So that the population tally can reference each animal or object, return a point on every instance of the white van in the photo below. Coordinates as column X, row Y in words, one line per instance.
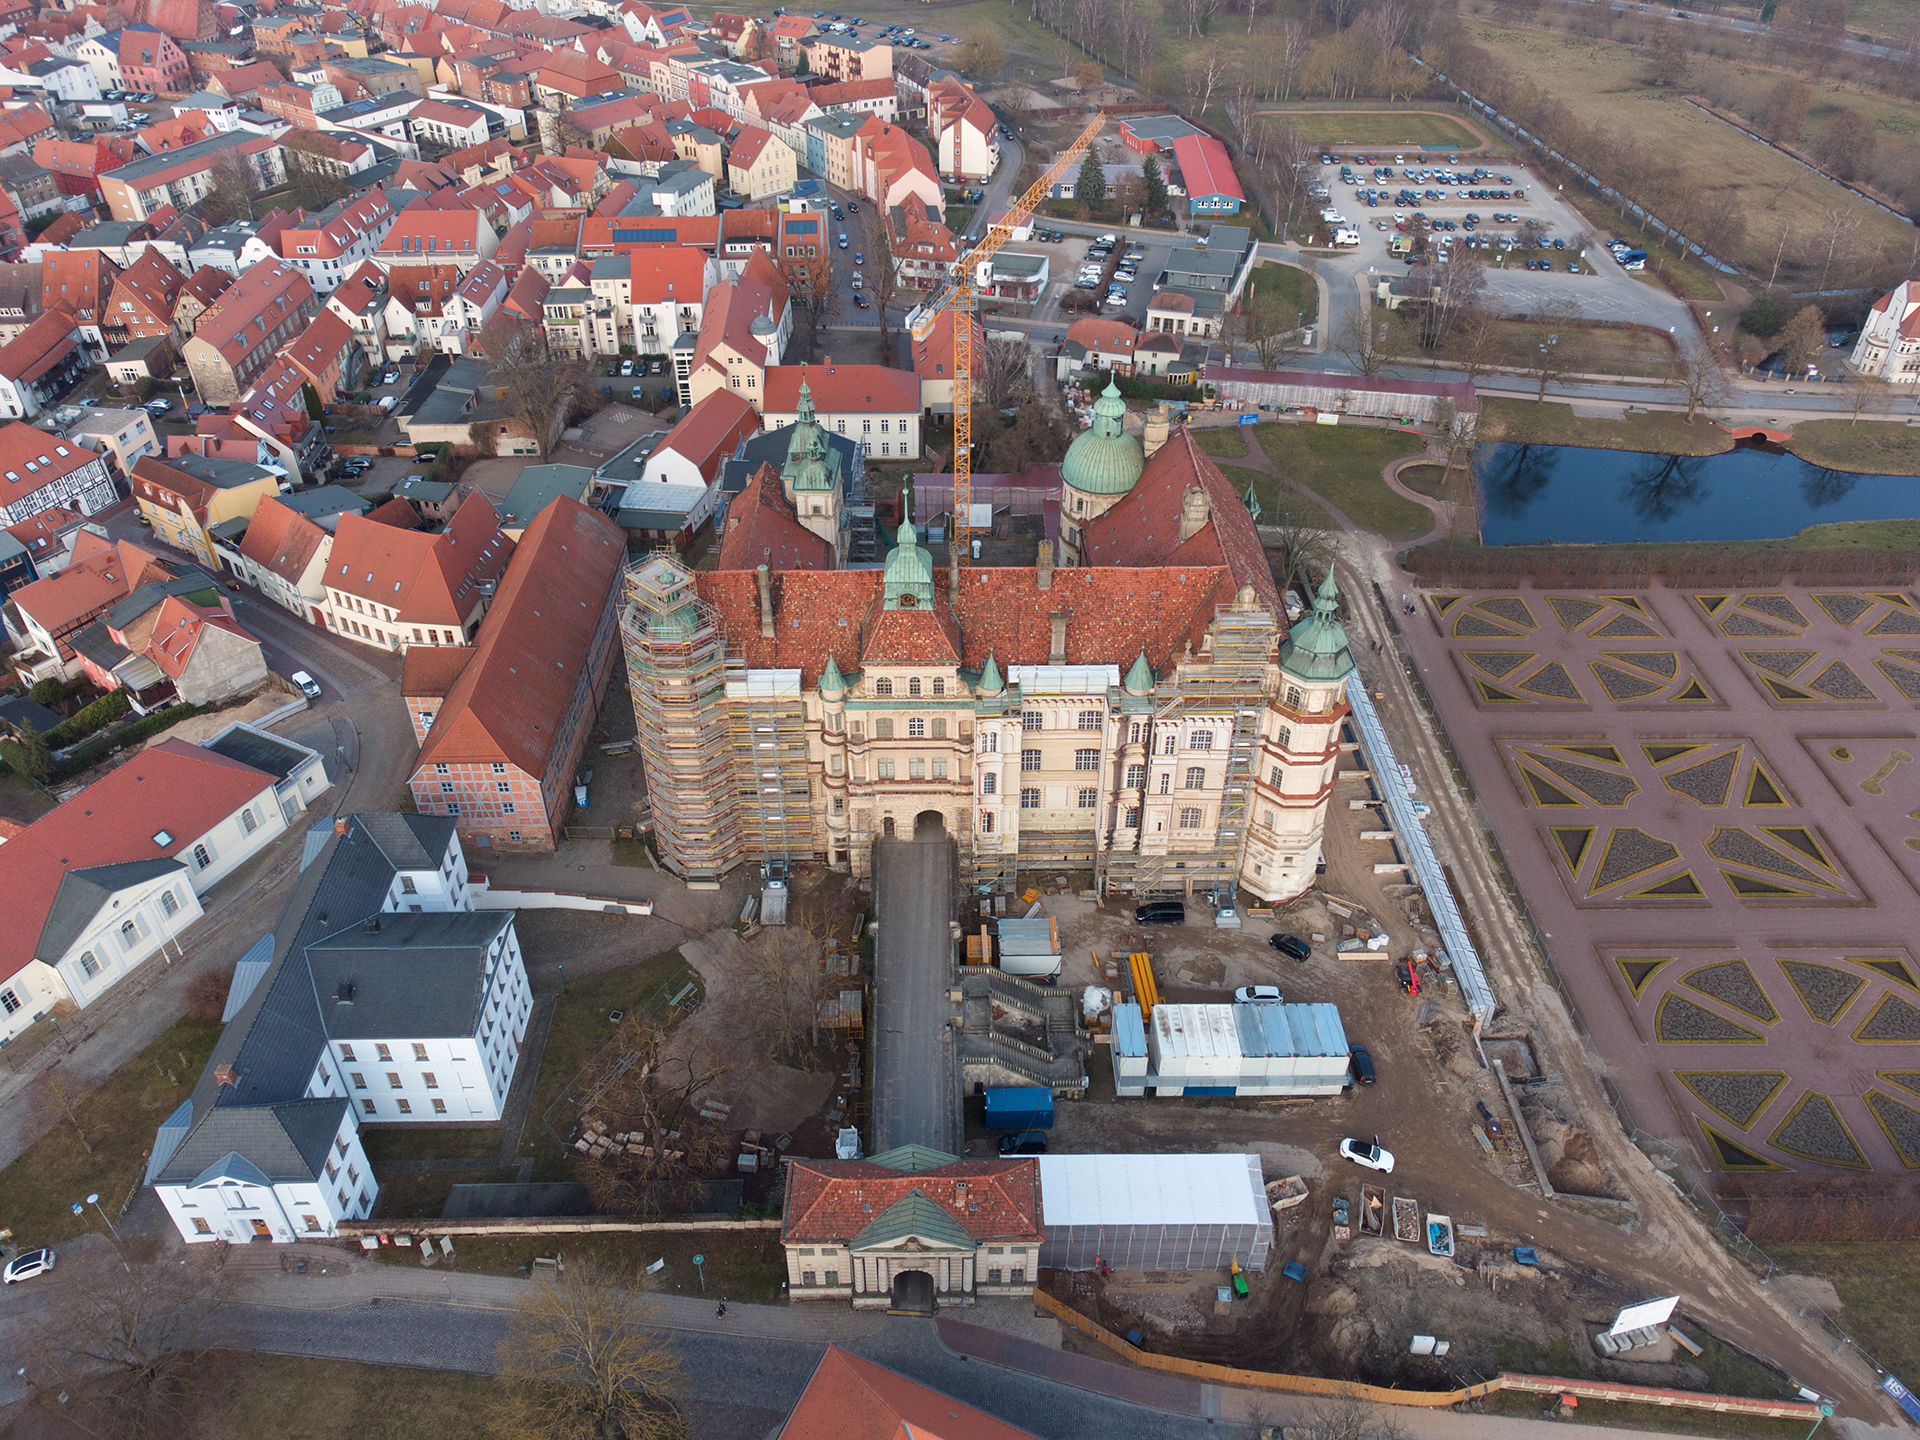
column 389, row 402
column 1346, row 238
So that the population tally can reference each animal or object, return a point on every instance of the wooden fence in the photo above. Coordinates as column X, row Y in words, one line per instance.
column 1430, row 1399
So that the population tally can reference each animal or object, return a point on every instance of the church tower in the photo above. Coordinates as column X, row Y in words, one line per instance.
column 1102, row 465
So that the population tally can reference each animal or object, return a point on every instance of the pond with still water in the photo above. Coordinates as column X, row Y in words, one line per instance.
column 1534, row 494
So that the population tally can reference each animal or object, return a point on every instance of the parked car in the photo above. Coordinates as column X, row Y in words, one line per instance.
column 626, row 367
column 1027, row 1142
column 1362, row 1064
column 843, row 242
column 860, row 301
column 1258, row 995
column 25, row 1267
column 308, row 685
column 1161, row 912
column 1369, row 1154
column 1291, row 946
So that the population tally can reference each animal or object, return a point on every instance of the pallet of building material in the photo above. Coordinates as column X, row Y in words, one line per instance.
column 1481, row 1136
column 1373, row 1217
column 1406, row 1220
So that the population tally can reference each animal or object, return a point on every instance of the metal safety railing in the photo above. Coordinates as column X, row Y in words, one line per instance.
column 1420, row 857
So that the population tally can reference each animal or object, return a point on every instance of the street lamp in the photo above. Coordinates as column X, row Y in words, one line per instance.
column 1826, row 1410
column 699, row 1263
column 563, row 978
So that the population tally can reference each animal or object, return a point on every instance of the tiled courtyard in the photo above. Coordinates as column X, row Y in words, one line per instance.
column 1711, row 802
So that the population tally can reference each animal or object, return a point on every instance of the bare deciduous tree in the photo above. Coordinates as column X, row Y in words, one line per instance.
column 981, row 54
column 784, row 986
column 1553, row 350
column 1294, row 526
column 1476, row 342
column 882, row 277
column 1348, row 1416
column 124, row 1344
column 652, row 1095
column 1697, row 371
column 1205, row 74
column 1361, row 337
column 1864, row 395
column 580, row 1362
column 537, row 385
column 1804, row 339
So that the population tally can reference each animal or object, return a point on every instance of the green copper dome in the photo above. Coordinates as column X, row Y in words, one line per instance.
column 806, row 469
column 1139, row 679
column 1106, row 460
column 1316, row 648
column 908, row 577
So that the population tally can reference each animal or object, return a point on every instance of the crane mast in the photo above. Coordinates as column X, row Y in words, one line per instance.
column 958, row 299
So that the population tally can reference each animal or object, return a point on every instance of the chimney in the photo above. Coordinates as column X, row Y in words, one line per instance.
column 1057, row 650
column 765, row 577
column 340, row 825
column 1194, row 512
column 1043, row 566
column 225, row 1075
column 1159, row 422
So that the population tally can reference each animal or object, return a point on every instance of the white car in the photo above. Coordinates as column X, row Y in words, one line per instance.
column 308, row 685
column 1258, row 994
column 25, row 1267
column 1369, row 1154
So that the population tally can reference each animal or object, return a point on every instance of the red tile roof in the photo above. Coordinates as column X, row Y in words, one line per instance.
column 1144, row 528
column 842, row 389
column 510, row 702
column 172, row 788
column 850, row 1398
column 425, row 579
column 429, row 671
column 837, row 1199
column 31, row 354
column 763, row 530
column 933, row 356
column 1205, row 167
column 1108, row 337
column 397, row 513
column 281, row 540
column 177, row 630
column 709, row 432
column 747, row 148
column 30, row 457
column 268, row 292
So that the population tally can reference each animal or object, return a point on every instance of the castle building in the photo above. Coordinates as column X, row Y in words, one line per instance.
column 1141, row 712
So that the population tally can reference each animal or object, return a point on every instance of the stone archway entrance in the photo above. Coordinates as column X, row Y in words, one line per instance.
column 930, row 825
column 912, row 1293
column 886, row 828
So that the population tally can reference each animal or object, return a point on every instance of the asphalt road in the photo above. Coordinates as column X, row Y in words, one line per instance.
column 914, row 1083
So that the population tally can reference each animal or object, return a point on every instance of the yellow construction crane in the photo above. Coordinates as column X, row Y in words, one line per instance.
column 958, row 300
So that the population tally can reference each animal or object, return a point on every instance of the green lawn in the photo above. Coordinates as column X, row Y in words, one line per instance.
column 1659, row 432
column 1378, row 127
column 1226, row 441
column 1342, row 463
column 118, row 1121
column 580, row 1027
column 1291, row 507
column 1873, row 447
column 1870, row 534
column 1876, row 1284
column 430, row 1142
column 1298, row 290
column 422, row 1195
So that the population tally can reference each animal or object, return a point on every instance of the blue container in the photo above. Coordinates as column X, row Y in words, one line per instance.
column 1020, row 1108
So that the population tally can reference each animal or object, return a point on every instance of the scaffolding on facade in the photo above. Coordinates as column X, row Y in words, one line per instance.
column 1228, row 683
column 769, row 741
column 676, row 672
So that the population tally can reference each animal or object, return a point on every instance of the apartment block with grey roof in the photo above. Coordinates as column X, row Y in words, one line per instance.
column 381, row 997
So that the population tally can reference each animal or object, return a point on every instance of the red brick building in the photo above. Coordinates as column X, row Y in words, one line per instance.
column 502, row 726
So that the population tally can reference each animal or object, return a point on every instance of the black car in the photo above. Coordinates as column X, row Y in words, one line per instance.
column 1292, row 946
column 1362, row 1064
column 1027, row 1142
column 1161, row 912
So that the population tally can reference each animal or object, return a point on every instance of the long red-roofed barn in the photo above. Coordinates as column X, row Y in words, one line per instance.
column 501, row 734
column 1047, row 714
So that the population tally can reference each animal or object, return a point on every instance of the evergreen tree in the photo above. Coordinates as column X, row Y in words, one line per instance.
column 1092, row 184
column 28, row 756
column 1156, row 185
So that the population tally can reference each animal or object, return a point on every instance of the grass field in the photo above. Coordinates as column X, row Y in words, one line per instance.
column 118, row 1121
column 1342, row 464
column 1291, row 507
column 1657, row 432
column 1298, row 290
column 1876, row 1285
column 740, row 1265
column 1596, row 351
column 1224, row 441
column 20, row 799
column 1870, row 534
column 319, row 1399
column 1388, row 128
column 1873, row 447
column 1605, row 83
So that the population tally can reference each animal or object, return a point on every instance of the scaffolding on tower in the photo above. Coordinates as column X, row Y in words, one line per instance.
column 959, row 298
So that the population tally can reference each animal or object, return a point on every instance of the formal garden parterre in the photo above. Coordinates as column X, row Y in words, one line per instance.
column 1708, row 800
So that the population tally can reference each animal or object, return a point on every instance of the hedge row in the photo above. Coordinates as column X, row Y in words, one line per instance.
column 82, row 756
column 104, row 711
column 1574, row 567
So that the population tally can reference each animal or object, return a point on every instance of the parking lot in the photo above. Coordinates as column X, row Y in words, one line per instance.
column 1066, row 256
column 1604, row 290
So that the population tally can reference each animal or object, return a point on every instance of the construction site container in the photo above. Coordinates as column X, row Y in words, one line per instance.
column 1019, row 1108
column 1155, row 1212
column 1030, row 948
column 1129, row 1050
column 1259, row 1049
